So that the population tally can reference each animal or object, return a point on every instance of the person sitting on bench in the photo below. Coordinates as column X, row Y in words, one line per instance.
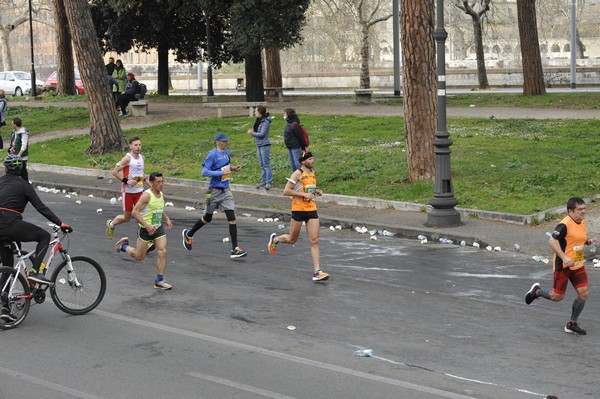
column 128, row 95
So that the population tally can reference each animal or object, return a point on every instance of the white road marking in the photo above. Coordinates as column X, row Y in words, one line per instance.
column 296, row 359
column 240, row 386
column 481, row 275
column 47, row 384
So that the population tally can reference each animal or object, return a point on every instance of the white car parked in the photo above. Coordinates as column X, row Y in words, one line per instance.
column 18, row 83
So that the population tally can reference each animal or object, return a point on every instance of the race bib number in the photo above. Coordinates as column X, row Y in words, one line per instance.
column 139, row 180
column 311, row 189
column 227, row 175
column 578, row 254
column 157, row 217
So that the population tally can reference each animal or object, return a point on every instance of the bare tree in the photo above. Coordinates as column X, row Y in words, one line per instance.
column 19, row 12
column 105, row 131
column 555, row 16
column 330, row 33
column 366, row 13
column 533, row 74
column 477, row 16
column 66, row 65
column 420, row 100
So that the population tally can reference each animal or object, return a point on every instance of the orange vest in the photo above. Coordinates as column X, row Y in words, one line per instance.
column 573, row 243
column 307, row 184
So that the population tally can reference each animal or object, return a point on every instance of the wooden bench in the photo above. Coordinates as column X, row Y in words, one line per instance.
column 249, row 105
column 363, row 96
column 139, row 107
column 278, row 91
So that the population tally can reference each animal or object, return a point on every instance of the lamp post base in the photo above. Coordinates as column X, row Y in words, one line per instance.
column 449, row 217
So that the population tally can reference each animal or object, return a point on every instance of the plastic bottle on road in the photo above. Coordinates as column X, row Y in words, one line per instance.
column 364, row 352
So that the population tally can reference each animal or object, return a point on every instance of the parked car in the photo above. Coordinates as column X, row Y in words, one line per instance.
column 51, row 81
column 17, row 83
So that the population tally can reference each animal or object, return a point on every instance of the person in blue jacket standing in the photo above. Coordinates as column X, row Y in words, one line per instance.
column 260, row 131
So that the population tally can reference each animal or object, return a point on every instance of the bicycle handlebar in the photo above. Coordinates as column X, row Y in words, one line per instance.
column 65, row 228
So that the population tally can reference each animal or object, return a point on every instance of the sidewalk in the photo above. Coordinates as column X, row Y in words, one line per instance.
column 333, row 210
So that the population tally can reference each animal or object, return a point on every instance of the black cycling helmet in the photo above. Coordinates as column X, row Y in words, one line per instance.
column 13, row 162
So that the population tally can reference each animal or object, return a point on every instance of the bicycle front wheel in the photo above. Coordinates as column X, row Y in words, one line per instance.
column 79, row 285
column 16, row 298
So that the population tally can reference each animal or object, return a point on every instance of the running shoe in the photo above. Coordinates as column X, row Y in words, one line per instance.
column 185, row 240
column 238, row 253
column 261, row 185
column 39, row 278
column 110, row 231
column 162, row 285
column 320, row 275
column 7, row 316
column 573, row 328
column 268, row 186
column 531, row 294
column 119, row 244
column 272, row 246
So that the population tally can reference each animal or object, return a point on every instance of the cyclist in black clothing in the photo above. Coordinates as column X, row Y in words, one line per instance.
column 15, row 193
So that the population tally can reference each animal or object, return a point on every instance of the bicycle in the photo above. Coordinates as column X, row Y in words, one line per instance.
column 78, row 282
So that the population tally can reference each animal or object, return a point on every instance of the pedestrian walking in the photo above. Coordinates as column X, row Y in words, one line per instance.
column 567, row 242
column 130, row 171
column 260, row 132
column 293, row 138
column 302, row 187
column 19, row 145
column 152, row 219
column 217, row 166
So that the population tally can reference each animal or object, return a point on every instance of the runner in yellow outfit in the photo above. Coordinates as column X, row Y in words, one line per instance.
column 150, row 214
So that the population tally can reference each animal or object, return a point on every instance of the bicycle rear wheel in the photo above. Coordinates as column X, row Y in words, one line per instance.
column 18, row 301
column 80, row 288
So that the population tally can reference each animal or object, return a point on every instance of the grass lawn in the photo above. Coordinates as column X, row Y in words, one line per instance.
column 517, row 166
column 43, row 119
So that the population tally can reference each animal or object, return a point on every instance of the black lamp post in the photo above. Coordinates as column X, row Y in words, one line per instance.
column 209, row 83
column 443, row 202
column 33, row 80
column 396, row 34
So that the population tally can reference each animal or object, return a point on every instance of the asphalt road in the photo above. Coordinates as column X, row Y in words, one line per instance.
column 443, row 322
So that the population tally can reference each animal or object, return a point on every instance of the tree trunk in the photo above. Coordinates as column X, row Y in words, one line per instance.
column 273, row 67
column 419, row 83
column 254, row 85
column 105, row 131
column 579, row 49
column 66, row 66
column 481, row 71
column 533, row 74
column 6, row 53
column 163, row 69
column 365, row 78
